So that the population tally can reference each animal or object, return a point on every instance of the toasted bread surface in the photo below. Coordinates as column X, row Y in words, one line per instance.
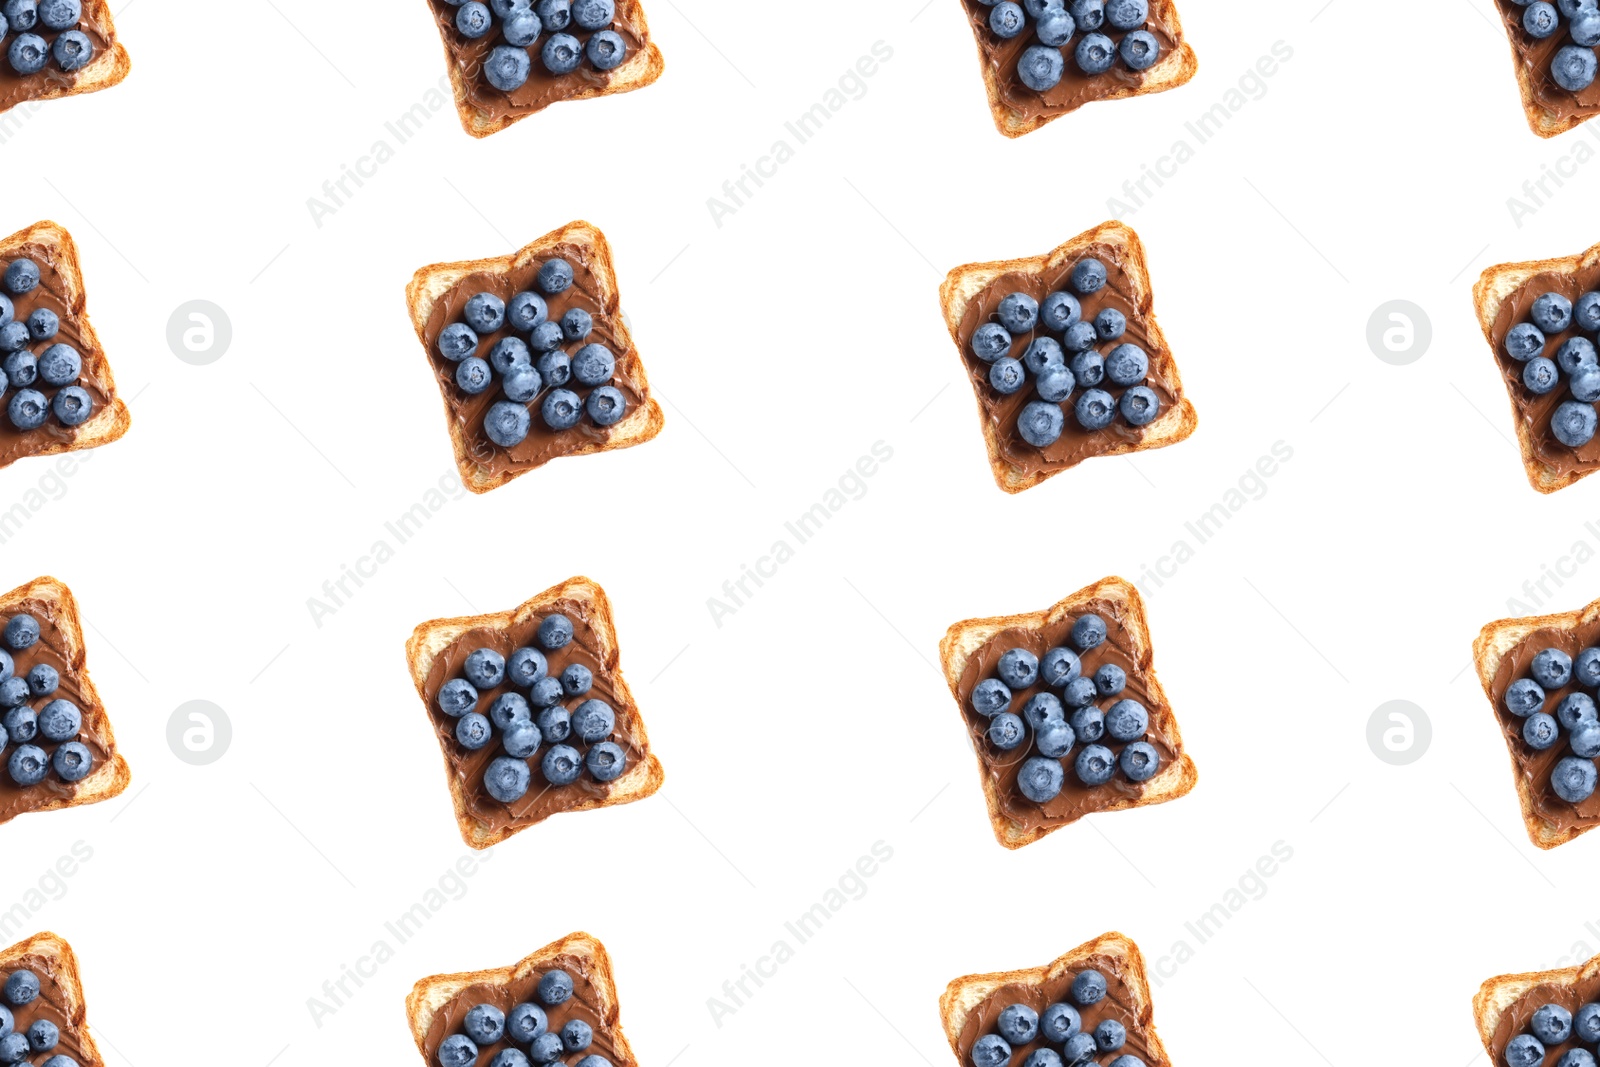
column 109, row 66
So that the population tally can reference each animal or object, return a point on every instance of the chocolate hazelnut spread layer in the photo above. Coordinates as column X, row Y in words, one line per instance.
column 1075, row 799
column 1534, row 56
column 584, row 1005
column 1532, row 410
column 53, row 1006
column 542, row 800
column 1117, row 1005
column 53, row 294
column 1532, row 765
column 20, row 88
column 1515, row 1019
column 542, row 444
column 1075, row 443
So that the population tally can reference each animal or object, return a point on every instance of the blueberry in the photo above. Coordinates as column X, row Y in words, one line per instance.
column 561, row 765
column 1140, row 50
column 27, row 766
column 457, row 1050
column 1551, row 1024
column 555, row 368
column 555, row 14
column 593, row 14
column 1089, row 631
column 1127, row 14
column 506, row 780
column 1095, row 409
column 1575, row 708
column 1586, row 312
column 1036, row 8
column 1088, row 988
column 1127, row 364
column 1569, row 8
column 72, row 406
column 525, row 1022
column 1095, row 765
column 1551, row 668
column 1585, row 26
column 457, row 697
column 1042, row 708
column 546, row 1048
column 484, row 1024
column 1055, row 28
column 1079, row 692
column 1140, row 761
column 510, row 1057
column 1007, row 20
column 21, row 632
column 561, row 410
column 474, row 20
column 1573, row 68
column 576, row 680
column 473, row 375
column 1040, row 67
column 1095, row 54
column 577, row 1035
column 606, row 405
column 1573, row 780
column 1540, row 375
column 1585, row 739
column 22, row 369
column 28, row 54
column 22, row 14
column 555, row 631
column 43, row 1035
column 1089, row 368
column 1059, row 1022
column 60, row 365
column 991, row 1050
column 1576, row 352
column 485, row 313
column 1055, row 384
column 1061, row 665
column 1110, row 324
column 555, row 275
column 1006, row 731
column 509, row 708
column 1573, row 424
column 1586, row 1024
column 1586, row 668
column 457, row 342
column 509, row 352
column 1078, row 1050
column 520, row 384
column 593, row 720
column 1088, row 14
column 606, row 761
column 526, row 666
column 1007, row 376
column 1576, row 1057
column 554, row 988
column 1110, row 679
column 1127, row 1061
column 1585, row 383
column 72, row 50
column 507, row 423
column 555, row 723
column 1541, row 731
column 484, row 668
column 1089, row 276
column 1018, row 668
column 990, row 697
column 22, row 275
column 13, row 693
column 1540, row 20
column 1054, row 738
column 521, row 738
column 1018, row 1024
column 473, row 731
column 1127, row 720
column 8, row 310
column 21, row 724
column 1139, row 405
column 1043, row 352
column 545, row 692
column 1110, row 1035
column 8, row 666
column 606, row 50
column 1088, row 724
column 1018, row 313
column 13, row 1048
column 561, row 55
column 43, row 324
column 991, row 341
column 1551, row 312
column 521, row 28
column 1524, row 341
column 1040, row 779
column 28, row 409
column 594, row 365
column 1524, row 697
column 13, row 337
column 60, row 720
column 1061, row 309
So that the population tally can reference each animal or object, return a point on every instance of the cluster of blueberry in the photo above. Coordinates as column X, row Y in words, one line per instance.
column 1574, row 776
column 1056, row 373
column 29, row 52
column 1060, row 1025
column 59, row 721
column 1055, row 731
column 1573, row 67
column 522, row 378
column 521, row 728
column 521, row 23
column 1574, row 420
column 1055, row 21
column 1554, row 1025
column 527, row 1026
column 58, row 366
column 16, row 1046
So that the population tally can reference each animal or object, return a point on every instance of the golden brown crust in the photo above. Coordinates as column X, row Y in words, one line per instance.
column 105, row 70
column 430, row 284
column 112, row 776
column 430, row 639
column 964, row 284
column 429, row 995
column 1498, row 994
column 639, row 70
column 963, row 995
column 63, row 964
column 1173, row 70
column 965, row 638
column 1493, row 288
column 1493, row 643
column 112, row 420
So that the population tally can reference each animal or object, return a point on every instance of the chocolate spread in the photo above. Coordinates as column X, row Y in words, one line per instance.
column 1075, row 443
column 1075, row 88
column 1075, row 799
column 1117, row 1004
column 542, row 799
column 1532, row 766
column 19, row 89
column 584, row 1005
column 1514, row 1020
column 1534, row 56
column 542, row 443
column 52, row 650
column 52, row 1006
column 1532, row 410
column 542, row 88
column 52, row 293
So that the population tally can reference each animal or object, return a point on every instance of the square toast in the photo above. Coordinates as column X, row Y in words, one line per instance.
column 1502, row 1006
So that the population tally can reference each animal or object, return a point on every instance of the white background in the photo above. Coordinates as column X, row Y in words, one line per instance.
column 1375, row 166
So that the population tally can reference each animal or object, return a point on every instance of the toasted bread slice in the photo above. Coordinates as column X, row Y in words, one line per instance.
column 964, row 284
column 431, row 639
column 964, row 995
column 965, row 639
column 431, row 284
column 109, row 66
column 53, row 600
column 1494, row 287
column 51, row 243
column 1170, row 71
column 431, row 995
column 640, row 69
column 1493, row 643
column 1541, row 120
column 53, row 961
column 1498, row 995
